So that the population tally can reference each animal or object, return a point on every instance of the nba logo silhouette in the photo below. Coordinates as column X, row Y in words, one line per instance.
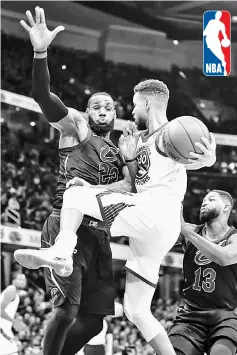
column 216, row 43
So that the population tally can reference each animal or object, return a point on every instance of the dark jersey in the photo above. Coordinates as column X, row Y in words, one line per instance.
column 208, row 285
column 96, row 160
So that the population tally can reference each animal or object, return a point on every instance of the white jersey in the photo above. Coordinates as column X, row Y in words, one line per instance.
column 11, row 310
column 158, row 172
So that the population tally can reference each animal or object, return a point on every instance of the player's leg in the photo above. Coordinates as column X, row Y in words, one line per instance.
column 223, row 336
column 64, row 292
column 183, row 344
column 97, row 296
column 61, row 321
column 223, row 346
column 77, row 202
column 86, row 327
column 188, row 332
column 137, row 307
column 84, row 201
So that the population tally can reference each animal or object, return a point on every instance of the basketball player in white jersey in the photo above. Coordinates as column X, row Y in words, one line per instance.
column 9, row 302
column 150, row 218
column 212, row 38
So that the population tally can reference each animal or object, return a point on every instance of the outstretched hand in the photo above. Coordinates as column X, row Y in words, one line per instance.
column 208, row 156
column 40, row 35
column 128, row 141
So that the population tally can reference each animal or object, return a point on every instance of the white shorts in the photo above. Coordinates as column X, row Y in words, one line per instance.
column 151, row 221
column 7, row 347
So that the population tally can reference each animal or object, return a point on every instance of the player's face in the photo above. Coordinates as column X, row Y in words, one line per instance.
column 101, row 114
column 140, row 112
column 212, row 206
column 20, row 281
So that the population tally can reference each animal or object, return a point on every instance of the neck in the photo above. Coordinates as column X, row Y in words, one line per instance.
column 156, row 118
column 106, row 135
column 216, row 229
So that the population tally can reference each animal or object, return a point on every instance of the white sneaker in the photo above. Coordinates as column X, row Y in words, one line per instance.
column 49, row 257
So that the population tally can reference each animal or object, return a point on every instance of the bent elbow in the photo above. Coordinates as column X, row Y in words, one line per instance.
column 224, row 261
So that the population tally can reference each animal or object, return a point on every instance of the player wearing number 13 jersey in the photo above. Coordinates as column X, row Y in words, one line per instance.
column 208, row 320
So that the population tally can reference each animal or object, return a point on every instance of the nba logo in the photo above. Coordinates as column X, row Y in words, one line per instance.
column 216, row 43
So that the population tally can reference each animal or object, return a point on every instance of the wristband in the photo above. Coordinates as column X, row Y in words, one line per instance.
column 38, row 52
column 130, row 160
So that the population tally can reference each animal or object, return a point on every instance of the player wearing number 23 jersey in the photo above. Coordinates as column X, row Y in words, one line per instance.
column 96, row 160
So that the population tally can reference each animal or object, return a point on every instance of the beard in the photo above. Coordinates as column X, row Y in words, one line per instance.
column 141, row 124
column 208, row 216
column 101, row 129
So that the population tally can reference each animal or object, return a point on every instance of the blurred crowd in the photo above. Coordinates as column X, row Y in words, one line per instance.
column 75, row 75
column 29, row 178
column 35, row 309
column 29, row 172
column 28, row 183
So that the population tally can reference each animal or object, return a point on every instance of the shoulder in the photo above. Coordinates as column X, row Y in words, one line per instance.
column 75, row 117
column 10, row 293
column 10, row 289
column 71, row 122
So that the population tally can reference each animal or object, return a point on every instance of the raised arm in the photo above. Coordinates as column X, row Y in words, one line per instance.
column 66, row 120
column 222, row 255
column 128, row 149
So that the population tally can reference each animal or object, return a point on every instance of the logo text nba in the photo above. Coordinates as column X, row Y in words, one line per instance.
column 216, row 43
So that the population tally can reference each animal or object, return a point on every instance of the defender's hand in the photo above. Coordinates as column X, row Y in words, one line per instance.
column 76, row 181
column 208, row 158
column 39, row 34
column 128, row 141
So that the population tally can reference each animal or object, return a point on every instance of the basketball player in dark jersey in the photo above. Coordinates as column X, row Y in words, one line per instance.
column 207, row 323
column 85, row 150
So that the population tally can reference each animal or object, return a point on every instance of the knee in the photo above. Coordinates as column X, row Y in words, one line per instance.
column 220, row 349
column 66, row 316
column 133, row 314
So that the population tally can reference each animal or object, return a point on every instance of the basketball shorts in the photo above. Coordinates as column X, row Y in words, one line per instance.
column 151, row 220
column 91, row 285
column 195, row 331
column 94, row 349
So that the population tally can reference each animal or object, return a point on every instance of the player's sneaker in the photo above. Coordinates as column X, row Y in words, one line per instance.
column 49, row 257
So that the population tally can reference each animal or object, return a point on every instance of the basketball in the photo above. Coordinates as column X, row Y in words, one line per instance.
column 225, row 43
column 180, row 135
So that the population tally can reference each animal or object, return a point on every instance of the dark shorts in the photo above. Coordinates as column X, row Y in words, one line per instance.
column 91, row 285
column 94, row 349
column 194, row 332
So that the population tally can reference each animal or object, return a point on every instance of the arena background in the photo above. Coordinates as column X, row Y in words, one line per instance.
column 106, row 46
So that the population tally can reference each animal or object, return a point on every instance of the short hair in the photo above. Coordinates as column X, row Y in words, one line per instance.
column 153, row 87
column 96, row 94
column 225, row 196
